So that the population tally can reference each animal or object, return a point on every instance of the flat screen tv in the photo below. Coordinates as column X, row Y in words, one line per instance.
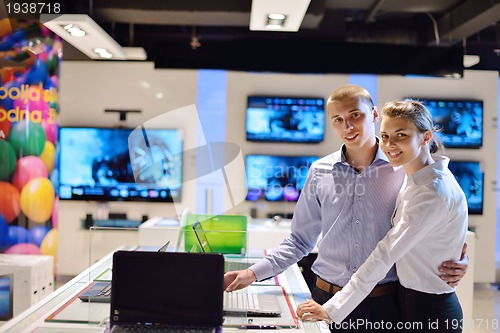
column 471, row 178
column 276, row 178
column 460, row 121
column 99, row 164
column 285, row 119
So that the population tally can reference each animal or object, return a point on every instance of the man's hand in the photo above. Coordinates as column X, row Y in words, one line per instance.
column 310, row 310
column 236, row 280
column 454, row 271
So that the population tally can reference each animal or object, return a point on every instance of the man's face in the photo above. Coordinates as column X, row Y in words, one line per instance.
column 353, row 121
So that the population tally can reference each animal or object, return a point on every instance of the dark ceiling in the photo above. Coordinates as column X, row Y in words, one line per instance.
column 337, row 36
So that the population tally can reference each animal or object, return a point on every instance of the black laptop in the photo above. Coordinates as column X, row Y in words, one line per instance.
column 100, row 292
column 181, row 291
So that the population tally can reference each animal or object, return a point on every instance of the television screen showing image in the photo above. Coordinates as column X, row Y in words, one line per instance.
column 110, row 164
column 276, row 178
column 285, row 119
column 460, row 121
column 6, row 297
column 470, row 177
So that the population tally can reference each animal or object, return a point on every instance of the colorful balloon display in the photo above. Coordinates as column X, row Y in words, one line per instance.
column 29, row 114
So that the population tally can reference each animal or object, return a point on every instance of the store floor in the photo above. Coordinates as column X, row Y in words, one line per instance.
column 486, row 308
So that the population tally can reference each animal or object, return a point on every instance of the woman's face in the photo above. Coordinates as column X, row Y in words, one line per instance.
column 402, row 142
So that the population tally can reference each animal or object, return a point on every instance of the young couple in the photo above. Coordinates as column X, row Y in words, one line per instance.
column 371, row 216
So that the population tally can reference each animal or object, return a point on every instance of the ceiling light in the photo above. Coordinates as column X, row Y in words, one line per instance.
column 293, row 12
column 470, row 60
column 70, row 28
column 275, row 21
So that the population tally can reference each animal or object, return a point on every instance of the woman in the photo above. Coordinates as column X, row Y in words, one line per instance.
column 429, row 226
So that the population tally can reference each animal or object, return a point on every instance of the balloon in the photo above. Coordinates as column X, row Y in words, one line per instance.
column 4, row 128
column 28, row 168
column 55, row 214
column 18, row 235
column 37, row 234
column 37, row 73
column 50, row 132
column 7, row 159
column 48, row 156
column 37, row 199
column 27, row 138
column 4, row 234
column 23, row 248
column 49, row 243
column 9, row 201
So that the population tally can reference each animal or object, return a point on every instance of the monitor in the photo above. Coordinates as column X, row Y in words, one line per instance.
column 460, row 122
column 6, row 296
column 285, row 119
column 470, row 177
column 276, row 178
column 99, row 164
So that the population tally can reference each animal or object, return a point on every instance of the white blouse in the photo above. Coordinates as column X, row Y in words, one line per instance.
column 429, row 227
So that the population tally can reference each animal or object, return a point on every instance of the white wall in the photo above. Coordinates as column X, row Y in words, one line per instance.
column 87, row 88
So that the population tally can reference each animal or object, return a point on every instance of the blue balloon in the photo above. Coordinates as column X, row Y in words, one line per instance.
column 38, row 73
column 4, row 234
column 18, row 235
column 37, row 234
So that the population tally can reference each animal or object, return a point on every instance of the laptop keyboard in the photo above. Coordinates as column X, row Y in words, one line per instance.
column 106, row 291
column 242, row 301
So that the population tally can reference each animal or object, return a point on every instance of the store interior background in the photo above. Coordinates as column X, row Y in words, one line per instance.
column 88, row 88
column 172, row 80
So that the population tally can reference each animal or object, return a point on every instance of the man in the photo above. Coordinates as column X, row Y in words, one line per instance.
column 349, row 197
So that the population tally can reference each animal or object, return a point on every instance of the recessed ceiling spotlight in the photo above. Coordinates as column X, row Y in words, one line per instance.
column 275, row 21
column 74, row 30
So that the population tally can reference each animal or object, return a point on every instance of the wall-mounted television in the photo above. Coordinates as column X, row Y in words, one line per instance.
column 285, row 119
column 470, row 177
column 6, row 296
column 460, row 121
column 98, row 164
column 276, row 178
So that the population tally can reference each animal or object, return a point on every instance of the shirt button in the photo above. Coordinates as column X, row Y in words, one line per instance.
column 356, row 245
column 354, row 269
column 357, row 221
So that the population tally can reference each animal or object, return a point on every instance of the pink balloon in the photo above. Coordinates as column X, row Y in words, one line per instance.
column 43, row 56
column 51, row 132
column 23, row 248
column 28, row 168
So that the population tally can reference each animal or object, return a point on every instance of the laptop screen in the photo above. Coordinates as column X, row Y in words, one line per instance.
column 167, row 288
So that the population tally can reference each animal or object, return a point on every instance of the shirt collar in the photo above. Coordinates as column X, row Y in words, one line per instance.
column 379, row 155
column 428, row 172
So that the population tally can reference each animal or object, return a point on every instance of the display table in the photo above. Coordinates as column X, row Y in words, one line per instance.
column 62, row 311
column 266, row 234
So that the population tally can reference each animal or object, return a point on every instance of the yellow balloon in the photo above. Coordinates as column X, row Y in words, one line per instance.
column 48, row 155
column 49, row 243
column 37, row 199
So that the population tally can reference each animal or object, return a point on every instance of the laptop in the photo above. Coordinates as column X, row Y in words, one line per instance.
column 167, row 290
column 204, row 247
column 240, row 303
column 100, row 292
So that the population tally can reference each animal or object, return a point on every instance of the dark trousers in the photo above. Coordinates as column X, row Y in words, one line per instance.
column 374, row 314
column 424, row 312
